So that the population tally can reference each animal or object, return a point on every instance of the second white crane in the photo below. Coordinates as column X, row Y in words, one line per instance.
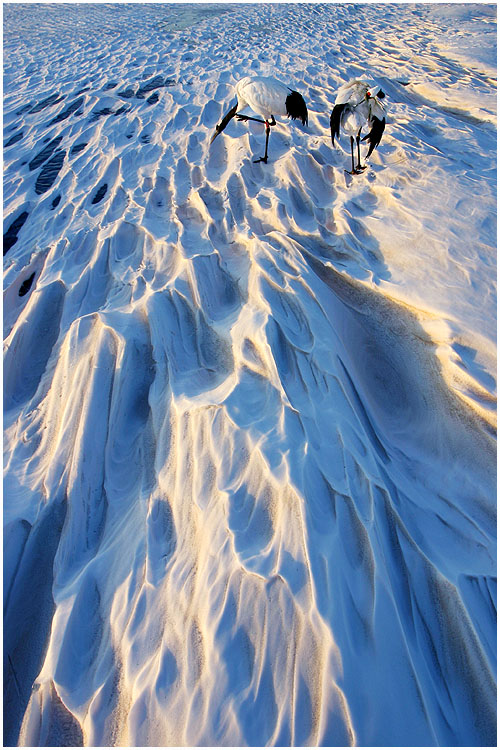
column 358, row 105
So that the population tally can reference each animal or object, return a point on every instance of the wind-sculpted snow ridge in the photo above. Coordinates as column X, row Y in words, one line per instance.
column 249, row 409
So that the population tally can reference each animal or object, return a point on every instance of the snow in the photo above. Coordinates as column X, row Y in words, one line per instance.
column 249, row 409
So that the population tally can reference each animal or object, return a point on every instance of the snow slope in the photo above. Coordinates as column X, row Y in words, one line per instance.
column 249, row 409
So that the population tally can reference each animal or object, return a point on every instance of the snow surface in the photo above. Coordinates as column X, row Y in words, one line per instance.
column 249, row 409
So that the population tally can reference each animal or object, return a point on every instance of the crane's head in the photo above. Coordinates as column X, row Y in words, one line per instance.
column 375, row 90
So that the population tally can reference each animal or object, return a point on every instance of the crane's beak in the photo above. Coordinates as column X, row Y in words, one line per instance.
column 220, row 127
column 217, row 131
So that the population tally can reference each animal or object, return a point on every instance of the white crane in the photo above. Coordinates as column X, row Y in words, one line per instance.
column 267, row 97
column 358, row 105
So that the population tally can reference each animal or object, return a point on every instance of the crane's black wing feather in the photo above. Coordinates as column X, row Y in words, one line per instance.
column 296, row 107
column 375, row 135
column 335, row 120
column 219, row 128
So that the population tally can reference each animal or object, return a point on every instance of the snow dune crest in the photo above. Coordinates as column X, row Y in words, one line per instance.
column 249, row 409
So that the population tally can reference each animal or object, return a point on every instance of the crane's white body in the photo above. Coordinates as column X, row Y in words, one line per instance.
column 361, row 108
column 264, row 96
column 358, row 105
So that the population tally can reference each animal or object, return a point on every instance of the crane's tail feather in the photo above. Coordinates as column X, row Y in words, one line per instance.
column 219, row 128
column 335, row 121
column 375, row 135
column 296, row 107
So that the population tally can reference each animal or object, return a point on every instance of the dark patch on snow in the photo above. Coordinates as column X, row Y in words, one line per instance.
column 154, row 83
column 100, row 194
column 110, row 85
column 15, row 138
column 126, row 94
column 56, row 201
column 49, row 173
column 23, row 109
column 68, row 111
column 26, row 285
column 45, row 153
column 153, row 98
column 100, row 113
column 48, row 102
column 10, row 236
column 77, row 148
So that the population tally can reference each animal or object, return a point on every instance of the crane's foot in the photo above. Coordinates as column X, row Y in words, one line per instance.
column 354, row 171
column 262, row 158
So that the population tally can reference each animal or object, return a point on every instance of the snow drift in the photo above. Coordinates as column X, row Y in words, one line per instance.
column 249, row 409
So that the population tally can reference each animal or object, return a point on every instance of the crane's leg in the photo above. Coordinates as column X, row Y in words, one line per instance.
column 268, row 130
column 359, row 168
column 353, row 171
column 272, row 121
column 245, row 117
